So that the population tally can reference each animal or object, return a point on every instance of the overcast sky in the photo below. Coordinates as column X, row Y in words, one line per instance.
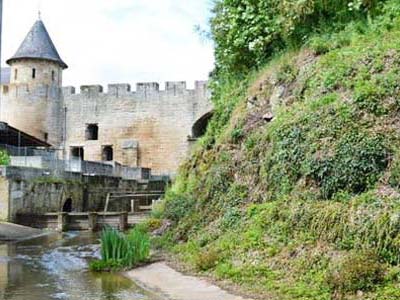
column 117, row 41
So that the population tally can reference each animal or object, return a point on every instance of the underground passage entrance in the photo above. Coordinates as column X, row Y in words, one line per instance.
column 67, row 207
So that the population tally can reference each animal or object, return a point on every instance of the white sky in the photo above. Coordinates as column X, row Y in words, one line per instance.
column 117, row 41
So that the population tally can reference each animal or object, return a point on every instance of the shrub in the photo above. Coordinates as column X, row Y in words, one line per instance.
column 231, row 217
column 287, row 73
column 177, row 206
column 319, row 45
column 394, row 179
column 153, row 224
column 207, row 259
column 369, row 96
column 158, row 209
column 358, row 160
column 4, row 158
column 237, row 134
column 357, row 271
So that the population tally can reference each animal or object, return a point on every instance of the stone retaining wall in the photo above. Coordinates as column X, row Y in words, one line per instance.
column 30, row 191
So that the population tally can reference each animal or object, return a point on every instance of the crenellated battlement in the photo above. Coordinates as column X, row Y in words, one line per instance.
column 142, row 88
column 91, row 89
column 119, row 89
column 149, row 87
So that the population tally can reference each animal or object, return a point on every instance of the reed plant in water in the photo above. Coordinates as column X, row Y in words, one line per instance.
column 119, row 250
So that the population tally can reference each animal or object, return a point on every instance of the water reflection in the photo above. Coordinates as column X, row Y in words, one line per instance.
column 55, row 267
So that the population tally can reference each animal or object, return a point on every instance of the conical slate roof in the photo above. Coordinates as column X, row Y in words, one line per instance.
column 38, row 45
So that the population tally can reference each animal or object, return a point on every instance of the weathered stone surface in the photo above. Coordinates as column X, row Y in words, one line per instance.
column 145, row 128
column 12, row 232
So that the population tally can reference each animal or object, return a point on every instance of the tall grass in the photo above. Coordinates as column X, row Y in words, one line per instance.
column 120, row 250
column 138, row 247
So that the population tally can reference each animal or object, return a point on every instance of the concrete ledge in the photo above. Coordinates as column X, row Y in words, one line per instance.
column 162, row 279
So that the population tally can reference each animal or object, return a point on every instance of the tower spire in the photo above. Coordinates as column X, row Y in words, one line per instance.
column 39, row 3
column 38, row 45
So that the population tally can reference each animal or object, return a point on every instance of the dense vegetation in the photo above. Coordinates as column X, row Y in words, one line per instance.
column 247, row 32
column 120, row 251
column 294, row 191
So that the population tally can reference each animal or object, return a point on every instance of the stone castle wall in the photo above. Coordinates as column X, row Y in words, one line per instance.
column 147, row 128
column 36, row 110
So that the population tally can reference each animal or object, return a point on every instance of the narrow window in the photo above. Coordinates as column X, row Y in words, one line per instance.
column 108, row 153
column 15, row 74
column 33, row 73
column 53, row 76
column 92, row 132
column 77, row 153
column 46, row 136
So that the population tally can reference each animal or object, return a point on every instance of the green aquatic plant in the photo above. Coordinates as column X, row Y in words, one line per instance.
column 119, row 250
column 138, row 242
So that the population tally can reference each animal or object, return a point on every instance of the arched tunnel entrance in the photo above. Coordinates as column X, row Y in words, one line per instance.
column 200, row 126
column 67, row 207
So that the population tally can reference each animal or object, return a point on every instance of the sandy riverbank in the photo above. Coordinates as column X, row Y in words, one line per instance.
column 172, row 285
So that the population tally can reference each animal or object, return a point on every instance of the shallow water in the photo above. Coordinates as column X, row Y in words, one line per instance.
column 55, row 267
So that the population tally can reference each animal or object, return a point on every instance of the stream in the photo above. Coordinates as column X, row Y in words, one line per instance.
column 56, row 267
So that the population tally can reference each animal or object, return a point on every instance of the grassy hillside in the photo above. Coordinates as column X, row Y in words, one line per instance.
column 294, row 191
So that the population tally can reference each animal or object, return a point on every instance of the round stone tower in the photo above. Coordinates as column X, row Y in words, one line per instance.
column 34, row 99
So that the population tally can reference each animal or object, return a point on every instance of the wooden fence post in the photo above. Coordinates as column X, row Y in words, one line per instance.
column 123, row 221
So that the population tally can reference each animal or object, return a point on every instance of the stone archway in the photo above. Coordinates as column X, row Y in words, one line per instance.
column 67, row 207
column 200, row 126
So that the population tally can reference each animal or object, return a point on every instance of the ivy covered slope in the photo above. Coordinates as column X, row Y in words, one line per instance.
column 294, row 191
